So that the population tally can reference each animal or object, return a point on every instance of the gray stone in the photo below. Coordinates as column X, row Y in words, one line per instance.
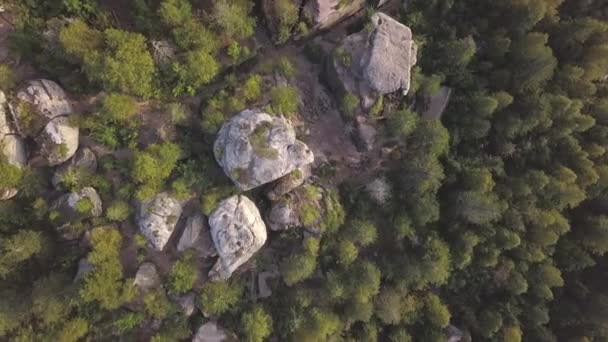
column 289, row 182
column 83, row 159
column 196, row 235
column 187, row 303
column 264, row 289
column 380, row 61
column 255, row 148
column 147, row 277
column 212, row 332
column 84, row 267
column 12, row 145
column 366, row 134
column 238, row 231
column 43, row 113
column 437, row 104
column 163, row 51
column 67, row 206
column 453, row 334
column 325, row 13
column 157, row 219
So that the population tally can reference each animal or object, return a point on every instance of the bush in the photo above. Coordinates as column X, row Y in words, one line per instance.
column 194, row 36
column 220, row 296
column 363, row 233
column 118, row 211
column 198, row 69
column 252, row 89
column 436, row 312
column 256, row 324
column 298, row 267
column 184, row 274
column 284, row 100
column 233, row 18
column 347, row 252
column 152, row 166
column 402, row 123
column 118, row 107
column 7, row 77
column 175, row 12
column 11, row 174
column 286, row 68
column 350, row 105
column 157, row 304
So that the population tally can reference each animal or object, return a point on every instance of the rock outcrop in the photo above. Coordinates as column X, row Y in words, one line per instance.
column 146, row 277
column 325, row 13
column 212, row 332
column 12, row 146
column 264, row 280
column 238, row 231
column 374, row 62
column 76, row 206
column 289, row 182
column 42, row 112
column 311, row 207
column 255, row 148
column 196, row 235
column 84, row 159
column 157, row 219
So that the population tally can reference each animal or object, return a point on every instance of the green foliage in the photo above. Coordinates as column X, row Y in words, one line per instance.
column 436, row 312
column 256, row 324
column 284, row 100
column 286, row 68
column 252, row 89
column 157, row 304
column 7, row 77
column 233, row 18
column 343, row 57
column 17, row 249
column 118, row 108
column 175, row 12
column 350, row 105
column 152, row 167
column 220, row 296
column 363, row 233
column 184, row 274
column 118, row 211
column 84, row 206
column 287, row 16
column 347, row 252
column 74, row 330
column 259, row 141
column 128, row 322
column 12, row 175
column 178, row 113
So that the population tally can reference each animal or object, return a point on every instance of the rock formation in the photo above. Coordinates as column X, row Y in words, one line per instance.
column 238, row 231
column 84, row 268
column 376, row 62
column 289, row 182
column 83, row 159
column 325, row 13
column 157, row 219
column 78, row 205
column 196, row 235
column 12, row 146
column 212, row 332
column 255, row 148
column 313, row 208
column 42, row 112
column 146, row 277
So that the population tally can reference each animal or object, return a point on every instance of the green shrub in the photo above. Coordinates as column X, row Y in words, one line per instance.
column 128, row 322
column 178, row 113
column 256, row 324
column 259, row 141
column 175, row 12
column 233, row 18
column 152, row 166
column 252, row 89
column 84, row 206
column 284, row 100
column 7, row 77
column 118, row 211
column 350, row 105
column 347, row 252
column 11, row 174
column 183, row 274
column 220, row 296
column 286, row 68
column 118, row 107
column 343, row 57
column 402, row 123
column 157, row 304
column 212, row 122
column 192, row 35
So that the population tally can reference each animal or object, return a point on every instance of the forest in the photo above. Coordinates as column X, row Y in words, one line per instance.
column 489, row 223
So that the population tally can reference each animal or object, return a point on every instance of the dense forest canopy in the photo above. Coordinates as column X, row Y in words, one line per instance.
column 489, row 223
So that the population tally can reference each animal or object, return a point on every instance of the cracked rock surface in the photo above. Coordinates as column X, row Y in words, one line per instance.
column 255, row 148
column 238, row 231
column 157, row 219
column 12, row 146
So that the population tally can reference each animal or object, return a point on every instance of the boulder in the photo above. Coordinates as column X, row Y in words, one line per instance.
column 43, row 112
column 187, row 303
column 163, row 52
column 238, row 231
column 196, row 235
column 325, row 13
column 84, row 159
column 289, row 182
column 157, row 219
column 264, row 289
column 76, row 206
column 374, row 62
column 12, row 146
column 313, row 208
column 437, row 104
column 453, row 334
column 366, row 134
column 255, row 148
column 147, row 277
column 84, row 267
column 212, row 332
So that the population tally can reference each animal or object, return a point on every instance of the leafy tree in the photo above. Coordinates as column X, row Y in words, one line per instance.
column 17, row 249
column 118, row 107
column 175, row 12
column 233, row 18
column 402, row 123
column 256, row 324
column 152, row 166
column 74, row 330
column 436, row 312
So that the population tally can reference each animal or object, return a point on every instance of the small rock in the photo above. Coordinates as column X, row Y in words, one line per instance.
column 255, row 148
column 163, row 51
column 157, row 219
column 84, row 267
column 289, row 182
column 264, row 289
column 238, row 231
column 453, row 334
column 196, row 235
column 366, row 134
column 78, row 205
column 187, row 303
column 146, row 277
column 83, row 159
column 212, row 332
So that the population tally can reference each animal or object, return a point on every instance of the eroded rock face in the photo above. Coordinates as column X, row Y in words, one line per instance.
column 83, row 159
column 78, row 205
column 311, row 207
column 12, row 146
column 255, row 148
column 146, row 277
column 369, row 64
column 289, row 182
column 43, row 113
column 212, row 332
column 238, row 231
column 196, row 235
column 157, row 219
column 325, row 13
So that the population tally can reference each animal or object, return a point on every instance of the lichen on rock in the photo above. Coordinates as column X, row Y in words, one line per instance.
column 157, row 219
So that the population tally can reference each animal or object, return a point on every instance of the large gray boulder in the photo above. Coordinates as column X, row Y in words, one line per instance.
column 157, row 219
column 12, row 146
column 238, row 231
column 78, row 205
column 84, row 159
column 146, row 277
column 255, row 148
column 196, row 235
column 42, row 112
column 374, row 62
column 212, row 332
